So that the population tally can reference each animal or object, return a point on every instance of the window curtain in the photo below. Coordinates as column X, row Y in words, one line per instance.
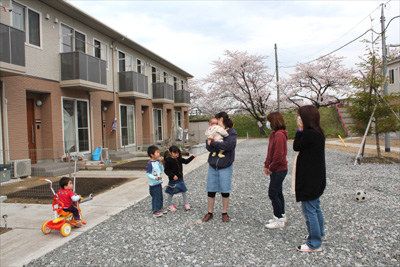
column 34, row 28
column 69, row 125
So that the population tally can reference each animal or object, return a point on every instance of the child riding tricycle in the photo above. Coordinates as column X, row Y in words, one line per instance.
column 66, row 208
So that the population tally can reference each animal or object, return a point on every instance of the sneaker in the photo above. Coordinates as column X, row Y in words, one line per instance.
column 163, row 211
column 187, row 207
column 306, row 248
column 276, row 224
column 157, row 214
column 323, row 238
column 171, row 208
column 78, row 223
column 276, row 218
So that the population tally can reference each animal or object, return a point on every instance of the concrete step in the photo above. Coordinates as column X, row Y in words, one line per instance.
column 120, row 155
column 48, row 169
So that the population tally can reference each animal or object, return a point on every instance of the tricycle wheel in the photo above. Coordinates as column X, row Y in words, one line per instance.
column 45, row 229
column 66, row 229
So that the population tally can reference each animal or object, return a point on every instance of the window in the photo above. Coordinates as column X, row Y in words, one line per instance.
column 34, row 28
column 165, row 77
column 101, row 50
column 124, row 62
column 76, row 125
column 157, row 124
column 80, row 42
column 127, row 126
column 68, row 35
column 391, row 76
column 66, row 38
column 178, row 121
column 182, row 85
column 175, row 83
column 19, row 15
column 140, row 66
column 178, row 126
column 155, row 75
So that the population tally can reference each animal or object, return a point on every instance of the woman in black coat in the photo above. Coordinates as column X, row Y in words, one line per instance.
column 310, row 174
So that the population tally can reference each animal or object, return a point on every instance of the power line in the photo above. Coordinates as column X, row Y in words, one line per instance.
column 347, row 43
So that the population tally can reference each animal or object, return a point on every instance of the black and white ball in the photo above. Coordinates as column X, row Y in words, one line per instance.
column 360, row 196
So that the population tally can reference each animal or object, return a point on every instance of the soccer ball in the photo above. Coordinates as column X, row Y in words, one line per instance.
column 361, row 196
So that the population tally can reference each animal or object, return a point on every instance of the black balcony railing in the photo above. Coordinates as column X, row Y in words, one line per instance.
column 12, row 45
column 163, row 90
column 182, row 96
column 81, row 66
column 130, row 81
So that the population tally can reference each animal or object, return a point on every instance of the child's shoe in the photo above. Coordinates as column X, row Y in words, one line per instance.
column 221, row 155
column 187, row 207
column 213, row 154
column 276, row 224
column 276, row 218
column 163, row 211
column 78, row 223
column 157, row 214
column 171, row 208
column 306, row 248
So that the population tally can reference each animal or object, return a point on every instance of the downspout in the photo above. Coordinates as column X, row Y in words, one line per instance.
column 114, row 93
column 5, row 125
column 91, row 123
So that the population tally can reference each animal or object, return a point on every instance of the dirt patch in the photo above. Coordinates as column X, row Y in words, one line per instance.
column 35, row 193
column 138, row 165
column 3, row 230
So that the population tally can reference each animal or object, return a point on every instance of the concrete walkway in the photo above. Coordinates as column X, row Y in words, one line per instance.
column 27, row 242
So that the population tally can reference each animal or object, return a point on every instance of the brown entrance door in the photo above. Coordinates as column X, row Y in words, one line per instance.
column 30, row 114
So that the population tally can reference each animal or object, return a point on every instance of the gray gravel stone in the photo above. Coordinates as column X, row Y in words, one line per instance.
column 359, row 233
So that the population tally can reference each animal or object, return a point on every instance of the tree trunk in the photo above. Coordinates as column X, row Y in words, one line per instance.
column 378, row 147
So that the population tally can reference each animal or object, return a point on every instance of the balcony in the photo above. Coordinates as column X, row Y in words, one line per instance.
column 133, row 85
column 82, row 71
column 182, row 98
column 163, row 93
column 12, row 51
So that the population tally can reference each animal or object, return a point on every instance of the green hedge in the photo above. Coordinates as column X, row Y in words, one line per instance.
column 245, row 125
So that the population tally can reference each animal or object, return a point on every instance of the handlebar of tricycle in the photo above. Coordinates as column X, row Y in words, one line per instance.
column 51, row 184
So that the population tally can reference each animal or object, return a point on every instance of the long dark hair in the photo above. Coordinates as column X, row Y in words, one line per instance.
column 277, row 121
column 311, row 120
column 226, row 120
column 173, row 149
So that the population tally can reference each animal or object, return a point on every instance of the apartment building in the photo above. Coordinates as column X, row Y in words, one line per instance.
column 70, row 83
column 393, row 67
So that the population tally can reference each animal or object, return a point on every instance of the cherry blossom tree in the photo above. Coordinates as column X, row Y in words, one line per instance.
column 322, row 82
column 240, row 80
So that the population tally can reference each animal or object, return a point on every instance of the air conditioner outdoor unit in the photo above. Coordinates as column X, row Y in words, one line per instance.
column 21, row 168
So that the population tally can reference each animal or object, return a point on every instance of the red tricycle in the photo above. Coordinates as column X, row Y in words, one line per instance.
column 63, row 219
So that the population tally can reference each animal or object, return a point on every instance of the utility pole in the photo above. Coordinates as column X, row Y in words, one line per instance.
column 277, row 79
column 384, row 70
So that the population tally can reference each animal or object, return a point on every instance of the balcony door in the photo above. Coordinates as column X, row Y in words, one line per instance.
column 76, row 125
column 127, row 115
column 157, row 124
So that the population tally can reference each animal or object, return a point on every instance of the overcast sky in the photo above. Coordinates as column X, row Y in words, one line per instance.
column 191, row 34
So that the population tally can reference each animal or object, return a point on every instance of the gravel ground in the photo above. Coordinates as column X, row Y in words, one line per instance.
column 359, row 233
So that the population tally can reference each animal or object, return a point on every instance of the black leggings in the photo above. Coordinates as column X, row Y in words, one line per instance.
column 212, row 194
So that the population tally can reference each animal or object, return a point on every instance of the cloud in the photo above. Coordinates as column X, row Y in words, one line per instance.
column 191, row 34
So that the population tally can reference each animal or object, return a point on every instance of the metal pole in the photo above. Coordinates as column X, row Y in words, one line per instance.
column 277, row 79
column 384, row 70
column 365, row 136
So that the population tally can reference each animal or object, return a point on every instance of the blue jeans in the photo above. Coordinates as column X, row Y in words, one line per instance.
column 275, row 192
column 219, row 180
column 315, row 222
column 156, row 197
